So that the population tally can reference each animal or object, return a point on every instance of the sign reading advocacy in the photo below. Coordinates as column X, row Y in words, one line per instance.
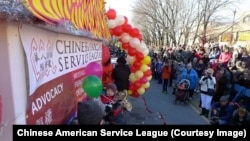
column 56, row 65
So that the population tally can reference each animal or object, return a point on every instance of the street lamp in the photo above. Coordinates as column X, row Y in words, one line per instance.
column 232, row 34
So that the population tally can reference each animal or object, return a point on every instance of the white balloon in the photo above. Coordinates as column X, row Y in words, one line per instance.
column 130, row 59
column 146, row 51
column 120, row 20
column 134, row 42
column 143, row 45
column 125, row 37
column 112, row 24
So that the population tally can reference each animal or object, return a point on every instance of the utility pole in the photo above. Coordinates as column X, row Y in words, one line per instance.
column 232, row 34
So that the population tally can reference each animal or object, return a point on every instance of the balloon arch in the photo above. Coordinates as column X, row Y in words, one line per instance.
column 136, row 49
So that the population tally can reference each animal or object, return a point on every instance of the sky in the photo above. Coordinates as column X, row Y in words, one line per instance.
column 123, row 7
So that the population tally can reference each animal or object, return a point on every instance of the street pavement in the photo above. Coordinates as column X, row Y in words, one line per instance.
column 143, row 113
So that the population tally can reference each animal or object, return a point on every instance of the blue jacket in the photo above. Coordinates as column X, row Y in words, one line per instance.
column 225, row 112
column 192, row 76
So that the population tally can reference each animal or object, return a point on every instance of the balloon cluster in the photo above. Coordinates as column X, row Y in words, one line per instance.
column 92, row 84
column 136, row 49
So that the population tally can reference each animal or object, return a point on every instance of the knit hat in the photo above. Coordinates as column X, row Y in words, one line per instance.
column 89, row 113
column 224, row 98
column 121, row 60
column 112, row 86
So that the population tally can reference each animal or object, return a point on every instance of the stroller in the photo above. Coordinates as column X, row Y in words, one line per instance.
column 114, row 114
column 113, row 111
column 182, row 91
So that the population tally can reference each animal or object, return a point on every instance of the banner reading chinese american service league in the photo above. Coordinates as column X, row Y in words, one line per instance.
column 56, row 66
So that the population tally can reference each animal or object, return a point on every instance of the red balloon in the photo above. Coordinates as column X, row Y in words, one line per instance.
column 111, row 32
column 127, row 28
column 137, row 64
column 132, row 87
column 133, row 68
column 105, row 54
column 143, row 80
column 134, row 32
column 139, row 56
column 135, row 95
column 111, row 14
column 137, row 84
column 131, row 51
column 117, row 31
column 125, row 46
column 139, row 37
column 147, row 73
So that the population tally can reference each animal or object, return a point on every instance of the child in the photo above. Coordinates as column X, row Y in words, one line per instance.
column 110, row 94
column 114, row 110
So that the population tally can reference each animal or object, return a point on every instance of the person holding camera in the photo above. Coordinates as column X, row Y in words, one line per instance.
column 207, row 89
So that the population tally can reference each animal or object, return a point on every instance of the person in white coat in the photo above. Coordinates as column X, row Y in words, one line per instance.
column 207, row 82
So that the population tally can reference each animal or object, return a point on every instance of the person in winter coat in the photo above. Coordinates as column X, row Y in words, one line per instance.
column 206, row 82
column 190, row 74
column 221, row 111
column 240, row 117
column 166, row 72
column 120, row 75
column 179, row 68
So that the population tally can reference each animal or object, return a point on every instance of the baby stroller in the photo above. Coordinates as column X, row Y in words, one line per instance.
column 114, row 114
column 182, row 91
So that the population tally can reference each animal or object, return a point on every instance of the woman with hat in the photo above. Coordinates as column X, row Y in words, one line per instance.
column 207, row 83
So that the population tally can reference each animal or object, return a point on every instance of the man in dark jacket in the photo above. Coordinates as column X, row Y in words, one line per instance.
column 120, row 75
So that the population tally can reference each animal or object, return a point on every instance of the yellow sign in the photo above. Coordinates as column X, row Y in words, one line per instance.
column 244, row 36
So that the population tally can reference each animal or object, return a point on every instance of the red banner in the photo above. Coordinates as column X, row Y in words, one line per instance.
column 56, row 66
column 55, row 101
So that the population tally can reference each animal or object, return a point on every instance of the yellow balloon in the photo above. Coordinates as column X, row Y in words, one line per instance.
column 130, row 92
column 149, row 77
column 146, row 85
column 141, row 90
column 144, row 68
column 146, row 60
column 139, row 74
column 132, row 77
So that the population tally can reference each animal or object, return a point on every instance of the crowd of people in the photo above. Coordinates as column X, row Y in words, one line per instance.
column 218, row 73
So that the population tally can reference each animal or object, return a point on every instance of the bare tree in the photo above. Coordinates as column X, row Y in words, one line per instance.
column 174, row 22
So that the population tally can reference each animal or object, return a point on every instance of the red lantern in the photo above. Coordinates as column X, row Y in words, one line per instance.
column 105, row 54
